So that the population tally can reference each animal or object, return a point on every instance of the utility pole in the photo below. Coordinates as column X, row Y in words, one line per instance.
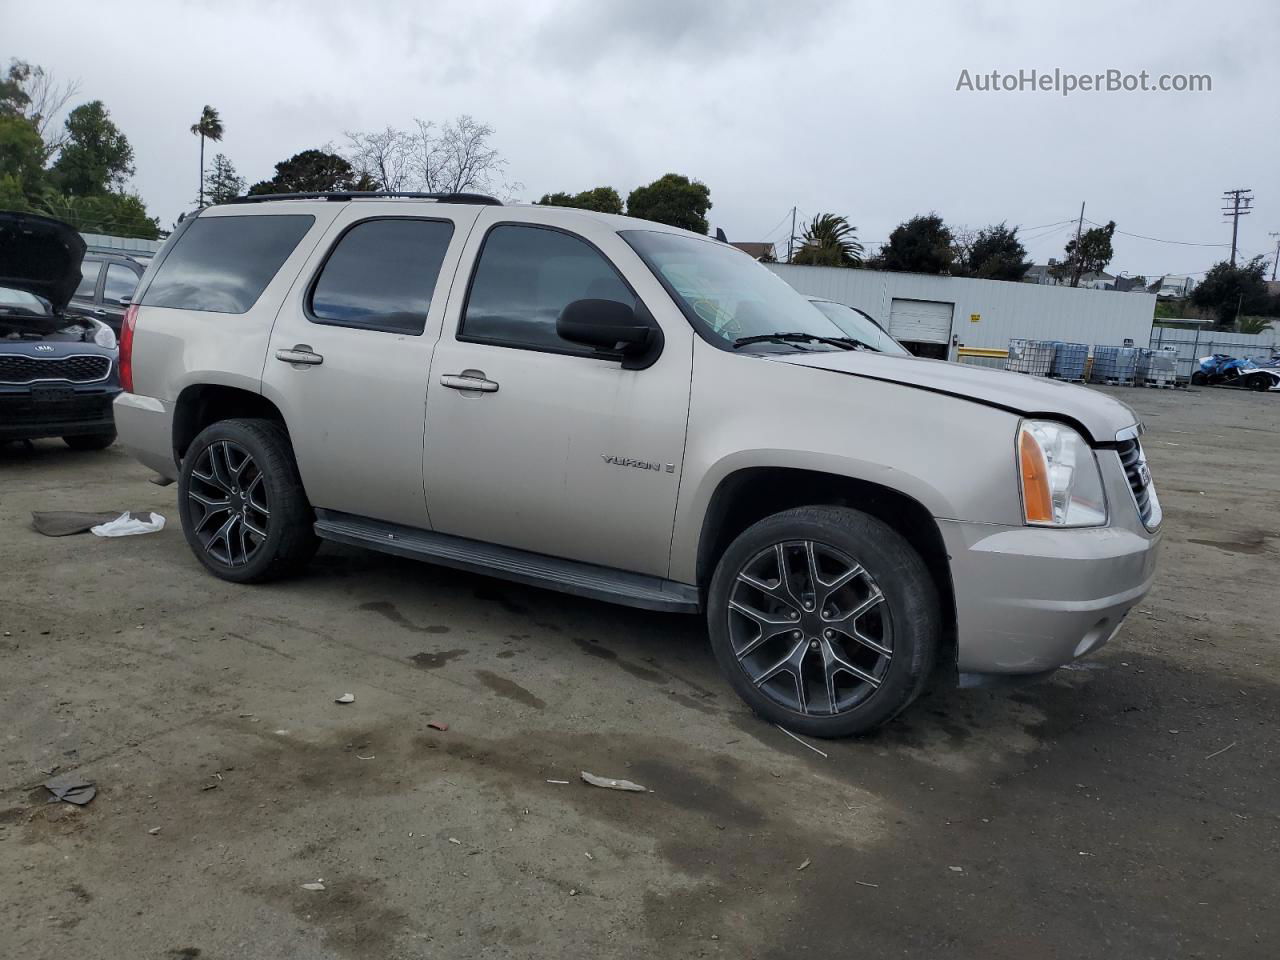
column 1078, row 268
column 1275, row 260
column 791, row 240
column 1240, row 200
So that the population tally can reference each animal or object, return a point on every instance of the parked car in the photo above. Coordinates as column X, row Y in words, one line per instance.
column 1221, row 369
column 627, row 411
column 106, row 287
column 58, row 371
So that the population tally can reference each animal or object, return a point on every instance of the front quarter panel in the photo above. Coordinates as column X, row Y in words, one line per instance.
column 955, row 457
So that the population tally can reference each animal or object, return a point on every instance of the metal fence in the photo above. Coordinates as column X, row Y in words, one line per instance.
column 1193, row 344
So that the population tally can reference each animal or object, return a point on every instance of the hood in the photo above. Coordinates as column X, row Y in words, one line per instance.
column 40, row 256
column 1100, row 416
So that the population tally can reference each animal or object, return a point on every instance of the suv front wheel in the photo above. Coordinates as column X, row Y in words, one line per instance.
column 244, row 512
column 824, row 619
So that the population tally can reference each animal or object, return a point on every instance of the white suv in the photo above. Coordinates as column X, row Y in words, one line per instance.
column 627, row 411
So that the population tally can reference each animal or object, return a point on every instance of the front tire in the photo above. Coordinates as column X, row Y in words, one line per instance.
column 90, row 441
column 824, row 620
column 1199, row 379
column 243, row 510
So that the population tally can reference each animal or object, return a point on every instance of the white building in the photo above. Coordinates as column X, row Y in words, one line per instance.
column 934, row 315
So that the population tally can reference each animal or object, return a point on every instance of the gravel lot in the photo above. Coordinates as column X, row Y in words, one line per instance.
column 1125, row 809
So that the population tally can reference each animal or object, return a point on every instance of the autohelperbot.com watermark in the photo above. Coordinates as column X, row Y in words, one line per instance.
column 1065, row 83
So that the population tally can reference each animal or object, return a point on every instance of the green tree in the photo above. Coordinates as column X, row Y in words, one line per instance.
column 208, row 127
column 993, row 253
column 921, row 245
column 221, row 182
column 829, row 240
column 672, row 199
column 1089, row 254
column 600, row 199
column 1228, row 292
column 97, row 156
column 120, row 214
column 313, row 171
column 22, row 155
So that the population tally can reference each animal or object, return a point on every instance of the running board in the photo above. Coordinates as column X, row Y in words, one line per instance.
column 534, row 569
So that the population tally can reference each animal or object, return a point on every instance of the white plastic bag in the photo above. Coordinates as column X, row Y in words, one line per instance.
column 127, row 525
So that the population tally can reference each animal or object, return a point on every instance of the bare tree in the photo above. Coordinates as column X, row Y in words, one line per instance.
column 453, row 157
column 41, row 99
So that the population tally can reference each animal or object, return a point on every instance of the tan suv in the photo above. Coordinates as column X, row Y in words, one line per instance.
column 627, row 411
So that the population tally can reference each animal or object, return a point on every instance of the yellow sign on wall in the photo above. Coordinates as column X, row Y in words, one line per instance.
column 975, row 318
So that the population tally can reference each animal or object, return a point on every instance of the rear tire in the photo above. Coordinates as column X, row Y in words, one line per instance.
column 1260, row 382
column 90, row 441
column 828, row 670
column 243, row 510
column 1199, row 379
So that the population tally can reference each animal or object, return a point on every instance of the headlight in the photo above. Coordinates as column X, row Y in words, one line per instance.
column 104, row 336
column 1061, row 485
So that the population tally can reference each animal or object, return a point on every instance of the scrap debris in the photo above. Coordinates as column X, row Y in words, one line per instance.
column 129, row 524
column 345, row 698
column 611, row 784
column 1222, row 751
column 72, row 789
column 801, row 742
column 315, row 885
column 438, row 725
column 802, row 866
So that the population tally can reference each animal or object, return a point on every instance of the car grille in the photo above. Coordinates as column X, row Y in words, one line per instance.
column 80, row 368
column 1135, row 471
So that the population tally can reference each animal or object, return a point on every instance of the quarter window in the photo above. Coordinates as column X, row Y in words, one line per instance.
column 381, row 275
column 121, row 282
column 525, row 277
column 222, row 264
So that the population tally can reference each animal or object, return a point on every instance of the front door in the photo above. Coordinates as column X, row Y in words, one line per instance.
column 537, row 443
column 350, row 351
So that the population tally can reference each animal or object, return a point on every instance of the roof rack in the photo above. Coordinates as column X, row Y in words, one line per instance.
column 371, row 194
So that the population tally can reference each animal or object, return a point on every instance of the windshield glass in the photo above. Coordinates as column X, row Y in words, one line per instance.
column 20, row 301
column 727, row 296
column 859, row 326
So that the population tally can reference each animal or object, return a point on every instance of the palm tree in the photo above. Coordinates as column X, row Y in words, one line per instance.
column 829, row 241
column 208, row 126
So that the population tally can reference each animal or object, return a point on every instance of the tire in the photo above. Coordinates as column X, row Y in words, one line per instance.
column 905, row 622
column 90, row 441
column 1199, row 379
column 1259, row 381
column 243, row 510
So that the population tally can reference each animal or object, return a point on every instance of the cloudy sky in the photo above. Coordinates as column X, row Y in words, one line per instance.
column 850, row 107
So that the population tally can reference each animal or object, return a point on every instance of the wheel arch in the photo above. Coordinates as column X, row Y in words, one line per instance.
column 202, row 404
column 752, row 493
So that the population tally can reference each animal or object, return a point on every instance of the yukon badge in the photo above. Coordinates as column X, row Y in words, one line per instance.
column 638, row 464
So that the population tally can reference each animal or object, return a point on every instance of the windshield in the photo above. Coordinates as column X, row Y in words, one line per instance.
column 728, row 296
column 20, row 301
column 859, row 326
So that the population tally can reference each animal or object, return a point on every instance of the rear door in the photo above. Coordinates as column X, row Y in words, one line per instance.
column 351, row 349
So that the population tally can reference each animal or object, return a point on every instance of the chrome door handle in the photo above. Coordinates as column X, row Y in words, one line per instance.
column 301, row 353
column 468, row 380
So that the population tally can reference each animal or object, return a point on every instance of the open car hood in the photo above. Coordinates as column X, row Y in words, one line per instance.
column 41, row 256
column 1101, row 416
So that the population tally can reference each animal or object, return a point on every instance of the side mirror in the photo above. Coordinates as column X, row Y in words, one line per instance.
column 612, row 327
column 125, row 301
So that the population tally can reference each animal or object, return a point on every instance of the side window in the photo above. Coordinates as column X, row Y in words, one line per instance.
column 381, row 274
column 525, row 277
column 222, row 264
column 121, row 282
column 89, row 270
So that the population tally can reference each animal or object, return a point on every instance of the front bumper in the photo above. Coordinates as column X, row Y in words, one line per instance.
column 85, row 410
column 1031, row 599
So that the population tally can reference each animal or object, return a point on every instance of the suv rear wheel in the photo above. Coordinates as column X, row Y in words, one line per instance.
column 824, row 619
column 243, row 509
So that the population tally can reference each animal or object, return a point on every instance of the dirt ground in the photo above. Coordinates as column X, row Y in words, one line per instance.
column 1127, row 808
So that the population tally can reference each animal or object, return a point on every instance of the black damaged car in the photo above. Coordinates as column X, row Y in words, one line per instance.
column 59, row 373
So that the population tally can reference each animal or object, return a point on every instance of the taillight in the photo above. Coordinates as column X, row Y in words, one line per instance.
column 126, row 347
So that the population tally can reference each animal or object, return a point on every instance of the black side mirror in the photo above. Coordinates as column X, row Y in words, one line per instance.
column 612, row 327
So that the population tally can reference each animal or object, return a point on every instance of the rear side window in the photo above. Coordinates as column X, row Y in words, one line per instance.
column 381, row 275
column 89, row 271
column 525, row 277
column 222, row 264
column 121, row 282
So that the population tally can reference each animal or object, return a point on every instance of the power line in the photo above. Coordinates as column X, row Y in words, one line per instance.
column 1181, row 243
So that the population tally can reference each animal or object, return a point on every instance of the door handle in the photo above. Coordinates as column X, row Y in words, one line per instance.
column 469, row 380
column 301, row 353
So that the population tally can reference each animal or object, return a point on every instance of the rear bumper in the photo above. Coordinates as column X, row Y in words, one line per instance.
column 1030, row 599
column 88, row 412
column 145, row 426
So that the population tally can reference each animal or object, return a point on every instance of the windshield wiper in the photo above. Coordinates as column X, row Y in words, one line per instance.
column 845, row 343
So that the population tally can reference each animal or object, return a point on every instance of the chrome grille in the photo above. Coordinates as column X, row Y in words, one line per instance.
column 1136, row 472
column 17, row 368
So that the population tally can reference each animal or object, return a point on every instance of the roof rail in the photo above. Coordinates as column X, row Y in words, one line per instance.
column 371, row 194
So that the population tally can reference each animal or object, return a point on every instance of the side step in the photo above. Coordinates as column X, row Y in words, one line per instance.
column 534, row 569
